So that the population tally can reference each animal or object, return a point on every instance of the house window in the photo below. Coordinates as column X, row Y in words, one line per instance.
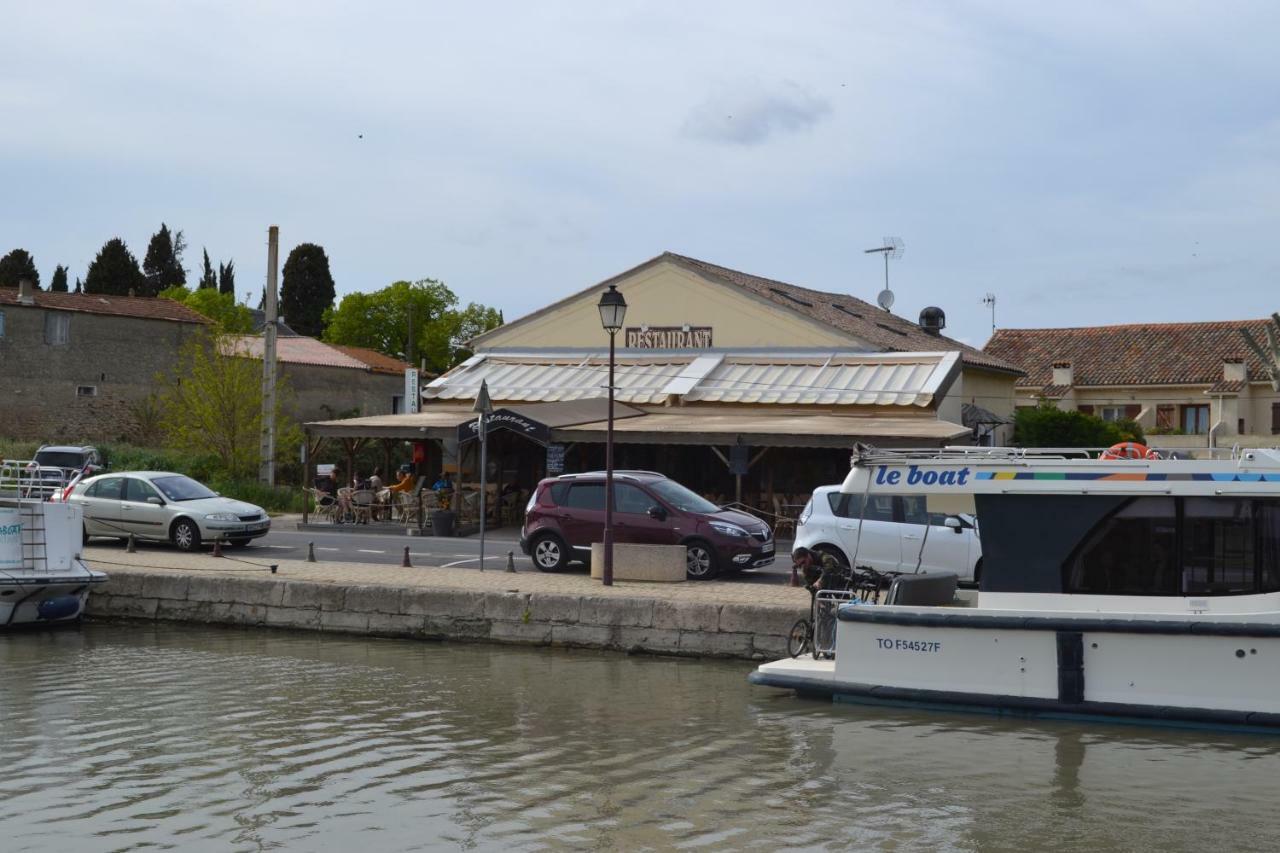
column 1111, row 413
column 1275, row 418
column 1167, row 417
column 1195, row 420
column 1240, row 426
column 86, row 390
column 57, row 328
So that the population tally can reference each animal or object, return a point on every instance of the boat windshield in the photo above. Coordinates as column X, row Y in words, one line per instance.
column 179, row 488
column 681, row 498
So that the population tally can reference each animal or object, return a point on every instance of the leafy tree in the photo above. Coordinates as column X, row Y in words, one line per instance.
column 307, row 290
column 163, row 263
column 227, row 278
column 1046, row 425
column 58, row 284
column 380, row 321
column 208, row 279
column 221, row 308
column 114, row 271
column 212, row 402
column 16, row 266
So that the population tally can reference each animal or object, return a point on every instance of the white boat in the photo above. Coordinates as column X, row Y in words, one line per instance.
column 43, row 579
column 1144, row 588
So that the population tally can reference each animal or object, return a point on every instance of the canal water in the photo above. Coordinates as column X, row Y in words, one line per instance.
column 123, row 736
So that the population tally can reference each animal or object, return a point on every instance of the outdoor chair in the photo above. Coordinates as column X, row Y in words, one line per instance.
column 326, row 505
column 406, row 508
column 362, row 502
column 781, row 520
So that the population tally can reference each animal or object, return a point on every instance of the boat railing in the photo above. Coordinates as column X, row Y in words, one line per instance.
column 825, row 604
column 864, row 454
column 26, row 481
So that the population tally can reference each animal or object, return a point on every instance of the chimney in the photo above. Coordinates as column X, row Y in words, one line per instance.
column 1233, row 369
column 1063, row 374
column 933, row 320
column 26, row 292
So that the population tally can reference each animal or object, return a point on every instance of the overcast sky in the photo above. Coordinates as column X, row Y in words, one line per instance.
column 1087, row 163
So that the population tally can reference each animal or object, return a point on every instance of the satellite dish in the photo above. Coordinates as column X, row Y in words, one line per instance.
column 885, row 299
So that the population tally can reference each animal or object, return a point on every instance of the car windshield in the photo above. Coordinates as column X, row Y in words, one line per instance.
column 681, row 498
column 182, row 488
column 60, row 458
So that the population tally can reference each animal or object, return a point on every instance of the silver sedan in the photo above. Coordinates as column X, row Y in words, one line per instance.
column 165, row 507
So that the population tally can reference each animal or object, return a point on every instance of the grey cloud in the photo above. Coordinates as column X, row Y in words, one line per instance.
column 751, row 118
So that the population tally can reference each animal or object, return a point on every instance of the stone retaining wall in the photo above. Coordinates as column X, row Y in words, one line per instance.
column 634, row 623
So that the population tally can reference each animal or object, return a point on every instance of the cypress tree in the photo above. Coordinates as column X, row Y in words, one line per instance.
column 227, row 277
column 208, row 279
column 58, row 284
column 163, row 262
column 114, row 271
column 307, row 290
column 16, row 266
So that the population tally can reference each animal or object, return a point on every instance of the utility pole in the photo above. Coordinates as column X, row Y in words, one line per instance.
column 267, row 462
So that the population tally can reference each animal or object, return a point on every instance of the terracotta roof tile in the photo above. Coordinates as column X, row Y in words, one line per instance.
column 1133, row 354
column 1227, row 386
column 849, row 314
column 376, row 361
column 144, row 307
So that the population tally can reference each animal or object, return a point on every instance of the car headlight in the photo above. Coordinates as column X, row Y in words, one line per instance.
column 728, row 530
column 806, row 512
column 222, row 516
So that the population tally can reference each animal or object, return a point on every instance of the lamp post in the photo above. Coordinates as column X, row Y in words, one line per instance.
column 613, row 309
column 483, row 407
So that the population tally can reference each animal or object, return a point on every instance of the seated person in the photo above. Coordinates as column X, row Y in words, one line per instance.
column 375, row 481
column 444, row 484
column 405, row 483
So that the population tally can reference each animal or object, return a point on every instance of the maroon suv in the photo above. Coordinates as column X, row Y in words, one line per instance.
column 566, row 514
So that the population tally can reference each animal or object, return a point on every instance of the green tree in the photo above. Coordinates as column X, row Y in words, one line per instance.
column 227, row 278
column 16, row 266
column 381, row 321
column 212, row 402
column 114, row 271
column 208, row 279
column 228, row 316
column 79, row 285
column 163, row 263
column 1046, row 425
column 307, row 290
column 58, row 284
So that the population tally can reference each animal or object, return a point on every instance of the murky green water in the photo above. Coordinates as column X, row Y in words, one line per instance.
column 118, row 737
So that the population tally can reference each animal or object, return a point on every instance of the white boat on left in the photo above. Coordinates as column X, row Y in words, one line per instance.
column 43, row 579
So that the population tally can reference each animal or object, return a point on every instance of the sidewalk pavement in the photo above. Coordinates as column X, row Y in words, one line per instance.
column 371, row 574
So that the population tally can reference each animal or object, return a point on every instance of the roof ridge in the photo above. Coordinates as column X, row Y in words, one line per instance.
column 1120, row 326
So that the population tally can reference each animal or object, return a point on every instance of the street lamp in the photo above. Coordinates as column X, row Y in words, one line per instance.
column 483, row 407
column 613, row 309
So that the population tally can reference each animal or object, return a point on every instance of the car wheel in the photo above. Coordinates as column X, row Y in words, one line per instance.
column 835, row 552
column 549, row 553
column 977, row 572
column 239, row 543
column 702, row 562
column 186, row 536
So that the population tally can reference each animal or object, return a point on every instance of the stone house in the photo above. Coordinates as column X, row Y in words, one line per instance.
column 73, row 366
column 78, row 367
column 1194, row 379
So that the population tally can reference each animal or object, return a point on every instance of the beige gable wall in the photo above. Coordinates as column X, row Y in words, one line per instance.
column 668, row 295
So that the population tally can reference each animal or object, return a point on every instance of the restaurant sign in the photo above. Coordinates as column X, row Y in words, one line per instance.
column 668, row 337
column 505, row 419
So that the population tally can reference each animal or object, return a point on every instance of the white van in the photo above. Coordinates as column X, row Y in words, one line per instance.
column 893, row 533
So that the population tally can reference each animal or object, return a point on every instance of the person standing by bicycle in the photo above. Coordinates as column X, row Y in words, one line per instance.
column 818, row 569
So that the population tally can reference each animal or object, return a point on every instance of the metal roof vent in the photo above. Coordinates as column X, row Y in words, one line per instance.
column 933, row 320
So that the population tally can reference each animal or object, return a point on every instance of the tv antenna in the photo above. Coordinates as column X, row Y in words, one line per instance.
column 892, row 248
column 990, row 301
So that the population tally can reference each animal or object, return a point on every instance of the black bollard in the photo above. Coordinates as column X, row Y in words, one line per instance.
column 511, row 561
column 311, row 552
column 131, row 547
column 217, row 547
column 405, row 564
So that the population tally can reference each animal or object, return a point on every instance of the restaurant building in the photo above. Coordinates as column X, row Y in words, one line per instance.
column 744, row 388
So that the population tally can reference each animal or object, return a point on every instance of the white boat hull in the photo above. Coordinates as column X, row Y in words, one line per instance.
column 46, row 599
column 1215, row 670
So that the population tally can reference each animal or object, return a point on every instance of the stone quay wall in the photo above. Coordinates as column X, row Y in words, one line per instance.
column 626, row 620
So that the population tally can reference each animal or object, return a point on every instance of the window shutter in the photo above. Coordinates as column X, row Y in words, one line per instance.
column 1166, row 417
column 1132, row 412
column 1275, row 418
column 1088, row 410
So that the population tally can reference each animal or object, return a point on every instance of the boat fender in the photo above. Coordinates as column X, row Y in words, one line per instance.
column 58, row 607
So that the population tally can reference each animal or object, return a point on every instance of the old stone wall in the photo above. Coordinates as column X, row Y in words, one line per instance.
column 319, row 393
column 117, row 357
column 634, row 623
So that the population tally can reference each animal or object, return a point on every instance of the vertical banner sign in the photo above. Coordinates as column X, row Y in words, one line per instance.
column 555, row 460
column 411, row 398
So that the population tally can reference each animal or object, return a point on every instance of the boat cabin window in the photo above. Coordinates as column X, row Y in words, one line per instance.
column 1181, row 546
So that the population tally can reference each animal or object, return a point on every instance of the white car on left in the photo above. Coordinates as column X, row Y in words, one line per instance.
column 165, row 507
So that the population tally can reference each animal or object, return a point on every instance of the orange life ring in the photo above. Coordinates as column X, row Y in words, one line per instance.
column 1129, row 450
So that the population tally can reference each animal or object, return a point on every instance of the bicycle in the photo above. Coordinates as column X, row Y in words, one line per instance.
column 862, row 584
